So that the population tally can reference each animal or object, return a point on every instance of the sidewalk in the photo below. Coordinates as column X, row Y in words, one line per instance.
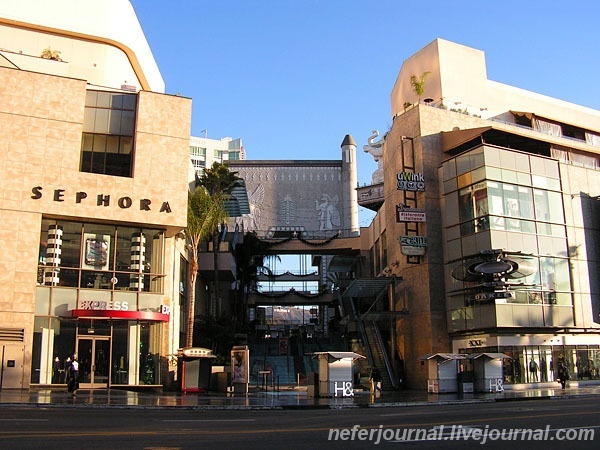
column 286, row 398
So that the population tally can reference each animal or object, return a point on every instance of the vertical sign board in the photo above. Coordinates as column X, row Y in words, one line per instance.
column 240, row 367
column 283, row 346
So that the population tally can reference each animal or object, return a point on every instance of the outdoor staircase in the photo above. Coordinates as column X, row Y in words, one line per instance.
column 264, row 356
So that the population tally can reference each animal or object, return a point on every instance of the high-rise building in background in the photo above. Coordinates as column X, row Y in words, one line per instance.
column 204, row 152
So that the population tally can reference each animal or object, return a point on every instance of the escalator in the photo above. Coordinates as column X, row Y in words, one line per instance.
column 374, row 346
column 377, row 354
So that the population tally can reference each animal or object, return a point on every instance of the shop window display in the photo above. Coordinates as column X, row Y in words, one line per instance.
column 90, row 256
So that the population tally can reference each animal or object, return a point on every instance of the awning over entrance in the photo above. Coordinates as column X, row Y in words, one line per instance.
column 443, row 356
column 339, row 355
column 509, row 135
column 452, row 139
column 488, row 355
column 367, row 287
column 122, row 315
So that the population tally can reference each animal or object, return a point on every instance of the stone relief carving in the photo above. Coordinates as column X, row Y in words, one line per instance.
column 376, row 150
column 329, row 215
column 288, row 210
column 257, row 197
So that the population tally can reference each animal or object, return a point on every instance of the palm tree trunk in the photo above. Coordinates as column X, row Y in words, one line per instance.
column 191, row 306
column 217, row 304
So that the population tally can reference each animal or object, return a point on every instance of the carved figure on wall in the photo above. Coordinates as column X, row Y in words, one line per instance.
column 376, row 150
column 329, row 215
column 257, row 196
column 288, row 210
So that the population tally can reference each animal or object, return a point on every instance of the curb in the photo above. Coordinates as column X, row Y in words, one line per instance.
column 294, row 407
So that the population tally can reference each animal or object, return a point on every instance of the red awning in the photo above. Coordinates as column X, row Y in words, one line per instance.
column 122, row 315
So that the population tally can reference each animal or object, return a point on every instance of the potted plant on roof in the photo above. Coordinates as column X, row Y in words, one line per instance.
column 48, row 53
column 418, row 84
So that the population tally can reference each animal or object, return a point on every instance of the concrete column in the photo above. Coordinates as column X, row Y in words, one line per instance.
column 349, row 183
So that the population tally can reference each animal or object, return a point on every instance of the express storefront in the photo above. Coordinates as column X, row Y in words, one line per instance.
column 100, row 296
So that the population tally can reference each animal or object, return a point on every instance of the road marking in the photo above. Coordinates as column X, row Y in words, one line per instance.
column 209, row 420
column 24, row 420
column 162, row 448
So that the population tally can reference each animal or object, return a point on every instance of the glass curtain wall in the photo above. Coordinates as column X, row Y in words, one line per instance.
column 492, row 196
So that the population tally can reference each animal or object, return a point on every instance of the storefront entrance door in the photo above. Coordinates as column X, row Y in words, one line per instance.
column 93, row 354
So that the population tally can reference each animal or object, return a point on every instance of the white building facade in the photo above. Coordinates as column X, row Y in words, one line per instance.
column 204, row 152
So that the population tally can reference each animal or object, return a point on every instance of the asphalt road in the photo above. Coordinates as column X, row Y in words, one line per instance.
column 547, row 424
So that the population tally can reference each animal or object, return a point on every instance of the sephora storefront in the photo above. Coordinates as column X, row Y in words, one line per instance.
column 99, row 295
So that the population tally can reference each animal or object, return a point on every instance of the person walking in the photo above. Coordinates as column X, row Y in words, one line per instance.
column 563, row 374
column 376, row 381
column 73, row 376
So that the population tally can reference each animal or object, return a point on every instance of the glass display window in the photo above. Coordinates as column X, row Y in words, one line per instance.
column 98, row 256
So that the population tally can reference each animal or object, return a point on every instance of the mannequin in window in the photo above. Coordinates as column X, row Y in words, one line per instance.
column 533, row 370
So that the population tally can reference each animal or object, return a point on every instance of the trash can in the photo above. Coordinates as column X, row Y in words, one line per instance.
column 194, row 369
column 312, row 384
column 466, row 382
column 220, row 379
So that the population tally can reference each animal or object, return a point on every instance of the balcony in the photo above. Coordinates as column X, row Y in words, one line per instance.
column 371, row 196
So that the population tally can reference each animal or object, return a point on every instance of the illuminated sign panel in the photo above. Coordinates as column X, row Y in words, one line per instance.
column 408, row 181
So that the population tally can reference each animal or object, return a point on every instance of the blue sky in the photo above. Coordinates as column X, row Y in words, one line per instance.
column 292, row 78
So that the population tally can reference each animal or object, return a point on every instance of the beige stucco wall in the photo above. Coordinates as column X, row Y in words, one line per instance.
column 40, row 133
column 41, row 122
column 421, row 291
column 458, row 78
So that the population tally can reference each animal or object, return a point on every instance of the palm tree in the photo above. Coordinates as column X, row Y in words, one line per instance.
column 205, row 213
column 418, row 84
column 219, row 181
